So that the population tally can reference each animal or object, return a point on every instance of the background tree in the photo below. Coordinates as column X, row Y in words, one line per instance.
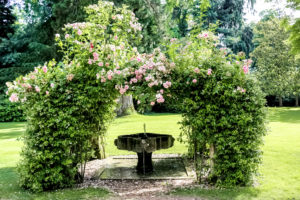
column 295, row 86
column 274, row 62
column 295, row 29
column 232, row 30
column 6, row 19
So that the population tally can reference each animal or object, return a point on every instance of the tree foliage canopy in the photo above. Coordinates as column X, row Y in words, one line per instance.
column 274, row 62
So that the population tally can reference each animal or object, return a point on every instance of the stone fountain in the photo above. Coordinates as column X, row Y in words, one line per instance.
column 144, row 144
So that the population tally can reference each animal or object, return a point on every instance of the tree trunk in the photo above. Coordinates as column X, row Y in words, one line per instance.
column 125, row 105
column 280, row 101
column 211, row 156
column 297, row 101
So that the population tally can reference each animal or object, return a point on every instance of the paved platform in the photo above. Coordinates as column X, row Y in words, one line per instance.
column 166, row 167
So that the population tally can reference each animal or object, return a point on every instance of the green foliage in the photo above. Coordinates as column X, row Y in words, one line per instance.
column 70, row 103
column 66, row 106
column 223, row 111
column 150, row 14
column 10, row 112
column 228, row 15
column 273, row 69
column 295, row 37
column 6, row 19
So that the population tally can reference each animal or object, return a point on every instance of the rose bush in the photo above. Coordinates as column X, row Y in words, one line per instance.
column 70, row 103
column 222, row 108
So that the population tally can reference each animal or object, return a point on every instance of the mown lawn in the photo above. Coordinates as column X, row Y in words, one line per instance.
column 280, row 172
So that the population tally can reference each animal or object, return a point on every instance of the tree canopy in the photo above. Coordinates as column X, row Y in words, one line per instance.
column 273, row 69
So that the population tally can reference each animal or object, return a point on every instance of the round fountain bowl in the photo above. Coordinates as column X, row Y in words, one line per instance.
column 148, row 142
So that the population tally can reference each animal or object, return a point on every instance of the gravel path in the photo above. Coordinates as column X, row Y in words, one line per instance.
column 135, row 189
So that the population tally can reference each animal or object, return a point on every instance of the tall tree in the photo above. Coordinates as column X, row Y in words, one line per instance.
column 274, row 62
column 6, row 19
column 228, row 14
column 295, row 84
column 295, row 29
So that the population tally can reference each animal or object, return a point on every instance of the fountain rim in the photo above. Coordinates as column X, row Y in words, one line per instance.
column 139, row 135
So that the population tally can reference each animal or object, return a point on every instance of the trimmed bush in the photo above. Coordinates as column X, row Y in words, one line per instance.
column 223, row 110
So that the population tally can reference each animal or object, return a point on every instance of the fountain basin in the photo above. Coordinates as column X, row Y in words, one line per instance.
column 144, row 144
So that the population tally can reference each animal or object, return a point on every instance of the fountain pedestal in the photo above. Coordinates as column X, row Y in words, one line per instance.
column 144, row 144
column 144, row 159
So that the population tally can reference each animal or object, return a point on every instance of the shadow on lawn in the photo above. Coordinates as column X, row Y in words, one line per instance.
column 220, row 194
column 10, row 133
column 284, row 115
column 9, row 189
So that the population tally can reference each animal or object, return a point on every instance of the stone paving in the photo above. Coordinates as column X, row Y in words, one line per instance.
column 118, row 175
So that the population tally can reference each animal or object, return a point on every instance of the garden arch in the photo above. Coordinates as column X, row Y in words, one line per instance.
column 69, row 103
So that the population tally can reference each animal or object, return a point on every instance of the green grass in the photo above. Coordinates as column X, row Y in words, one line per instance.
column 155, row 123
column 280, row 172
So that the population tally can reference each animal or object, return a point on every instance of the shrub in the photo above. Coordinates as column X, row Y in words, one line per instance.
column 69, row 104
column 223, row 110
column 10, row 112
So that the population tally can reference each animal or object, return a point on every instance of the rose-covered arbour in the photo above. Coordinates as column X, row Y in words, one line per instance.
column 70, row 103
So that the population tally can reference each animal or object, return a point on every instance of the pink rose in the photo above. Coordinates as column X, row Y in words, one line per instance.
column 134, row 80
column 197, row 70
column 14, row 97
column 52, row 85
column 47, row 92
column 98, row 75
column 209, row 71
column 45, row 69
column 96, row 56
column 152, row 103
column 37, row 89
column 138, row 102
column 167, row 84
column 70, row 77
column 90, row 61
column 246, row 69
column 100, row 64
column 67, row 36
column 122, row 90
column 106, row 64
column 194, row 81
column 160, row 100
column 79, row 32
column 109, row 77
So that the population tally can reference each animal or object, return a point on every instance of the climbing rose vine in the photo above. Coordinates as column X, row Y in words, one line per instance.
column 70, row 104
